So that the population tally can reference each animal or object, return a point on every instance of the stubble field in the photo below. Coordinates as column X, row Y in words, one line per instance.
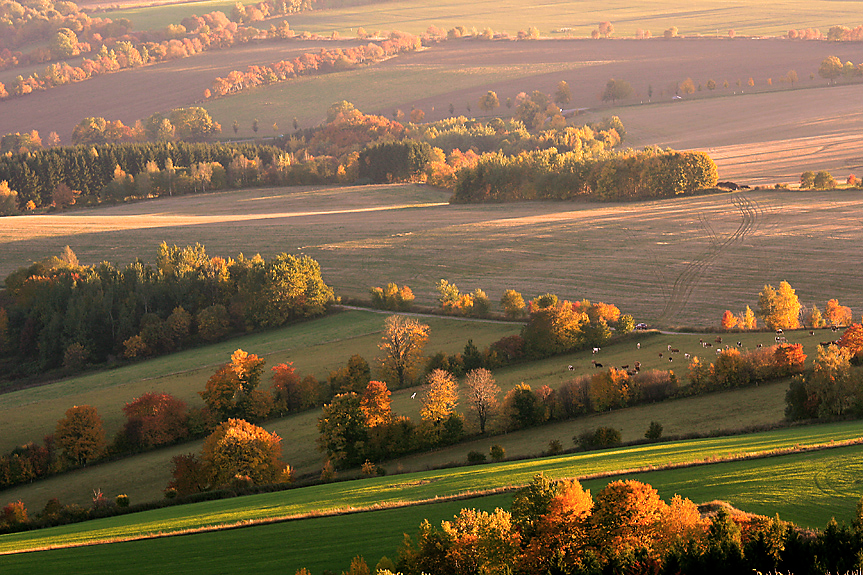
column 678, row 262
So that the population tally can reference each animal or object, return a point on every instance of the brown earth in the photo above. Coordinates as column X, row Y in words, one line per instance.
column 758, row 135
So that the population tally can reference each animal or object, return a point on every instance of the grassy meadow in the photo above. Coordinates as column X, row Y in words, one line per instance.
column 807, row 488
column 144, row 476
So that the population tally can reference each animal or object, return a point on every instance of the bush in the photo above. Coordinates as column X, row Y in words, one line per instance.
column 600, row 437
column 122, row 500
column 475, row 457
column 497, row 452
column 654, row 431
column 555, row 447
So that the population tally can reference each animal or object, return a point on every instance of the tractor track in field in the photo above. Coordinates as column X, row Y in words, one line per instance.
column 680, row 292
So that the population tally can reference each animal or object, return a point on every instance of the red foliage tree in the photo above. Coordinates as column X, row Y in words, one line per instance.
column 156, row 419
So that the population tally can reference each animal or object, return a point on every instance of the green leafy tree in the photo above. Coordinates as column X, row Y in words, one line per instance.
column 344, row 431
column 232, row 390
column 193, row 123
column 64, row 44
column 807, row 180
column 81, row 435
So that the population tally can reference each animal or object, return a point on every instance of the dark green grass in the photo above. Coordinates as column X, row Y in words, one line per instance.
column 447, row 482
column 807, row 488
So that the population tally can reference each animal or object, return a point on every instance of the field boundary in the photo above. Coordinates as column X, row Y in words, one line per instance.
column 711, row 460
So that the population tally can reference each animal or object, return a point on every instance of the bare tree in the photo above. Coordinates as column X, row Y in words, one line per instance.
column 482, row 392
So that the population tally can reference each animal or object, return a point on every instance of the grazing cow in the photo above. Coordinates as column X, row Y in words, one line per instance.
column 624, row 366
column 571, row 368
column 718, row 340
column 660, row 355
column 638, row 345
column 596, row 349
column 835, row 328
column 637, row 364
column 670, row 359
column 669, row 348
column 596, row 364
column 708, row 344
column 739, row 344
column 760, row 345
column 673, row 350
column 811, row 332
column 632, row 372
column 779, row 332
column 413, row 395
column 686, row 355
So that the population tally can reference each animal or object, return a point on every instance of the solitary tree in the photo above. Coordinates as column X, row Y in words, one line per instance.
column 562, row 95
column 489, row 102
column 375, row 404
column 403, row 342
column 232, row 390
column 440, row 396
column 482, row 392
column 616, row 90
column 80, row 434
column 830, row 69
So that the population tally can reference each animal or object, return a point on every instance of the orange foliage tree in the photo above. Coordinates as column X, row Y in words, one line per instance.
column 156, row 419
column 837, row 315
column 238, row 447
column 729, row 320
column 375, row 404
column 232, row 390
column 81, row 435
column 852, row 339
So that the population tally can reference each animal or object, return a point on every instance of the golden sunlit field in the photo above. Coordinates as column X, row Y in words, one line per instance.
column 678, row 262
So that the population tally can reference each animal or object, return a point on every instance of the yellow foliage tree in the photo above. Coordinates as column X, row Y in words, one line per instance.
column 440, row 396
column 80, row 434
column 403, row 342
column 238, row 447
column 780, row 309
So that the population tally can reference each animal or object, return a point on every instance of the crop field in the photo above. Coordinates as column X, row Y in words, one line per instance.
column 807, row 488
column 763, row 134
column 678, row 262
column 706, row 17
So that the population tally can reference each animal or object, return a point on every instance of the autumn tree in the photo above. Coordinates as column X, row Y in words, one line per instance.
column 852, row 340
column 748, row 320
column 238, row 447
column 832, row 382
column 729, row 320
column 489, row 102
column 780, row 309
column 155, row 419
column 288, row 390
column 837, row 315
column 606, row 29
column 439, row 397
column 563, row 95
column 814, row 318
column 375, row 404
column 616, row 90
column 830, row 68
column 403, row 342
column 482, row 392
column 232, row 390
column 81, row 435
column 791, row 77
column 626, row 517
column 687, row 86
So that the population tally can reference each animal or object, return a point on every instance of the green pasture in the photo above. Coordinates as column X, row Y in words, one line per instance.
column 143, row 477
column 373, row 90
column 805, row 488
column 707, row 17
column 808, row 489
column 316, row 347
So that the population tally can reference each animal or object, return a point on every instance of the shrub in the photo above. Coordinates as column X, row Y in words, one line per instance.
column 654, row 431
column 475, row 457
column 170, row 493
column 600, row 437
column 328, row 472
column 555, row 447
column 122, row 500
column 497, row 452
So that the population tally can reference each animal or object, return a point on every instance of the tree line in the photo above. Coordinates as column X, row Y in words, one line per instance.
column 550, row 174
column 58, row 314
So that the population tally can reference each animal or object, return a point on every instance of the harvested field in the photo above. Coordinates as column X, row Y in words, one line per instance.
column 134, row 94
column 764, row 134
column 672, row 262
